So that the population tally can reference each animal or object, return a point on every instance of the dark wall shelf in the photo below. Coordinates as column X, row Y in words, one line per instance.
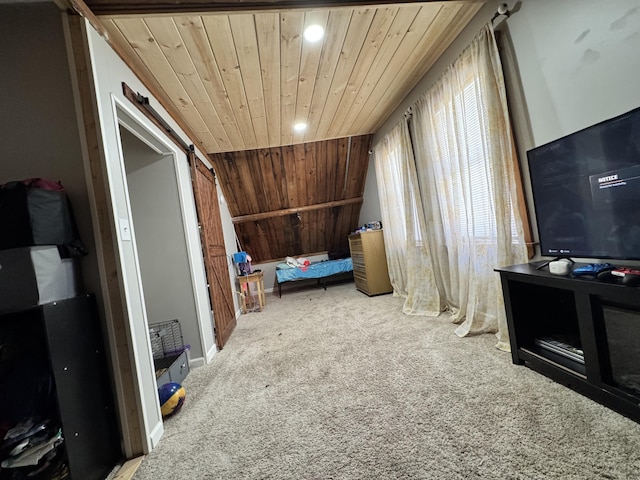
column 62, row 341
column 580, row 332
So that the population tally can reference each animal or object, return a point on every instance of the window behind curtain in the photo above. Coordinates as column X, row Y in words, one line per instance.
column 395, row 163
column 466, row 191
column 467, row 115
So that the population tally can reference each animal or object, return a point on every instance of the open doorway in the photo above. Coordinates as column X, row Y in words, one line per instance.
column 160, row 236
column 171, row 270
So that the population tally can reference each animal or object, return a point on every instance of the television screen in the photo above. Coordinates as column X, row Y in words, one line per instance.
column 586, row 191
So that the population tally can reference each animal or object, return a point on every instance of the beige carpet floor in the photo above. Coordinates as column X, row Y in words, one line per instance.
column 336, row 385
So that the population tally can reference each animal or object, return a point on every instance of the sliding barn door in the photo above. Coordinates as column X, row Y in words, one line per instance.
column 215, row 256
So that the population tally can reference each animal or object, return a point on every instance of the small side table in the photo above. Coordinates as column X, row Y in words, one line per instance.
column 245, row 282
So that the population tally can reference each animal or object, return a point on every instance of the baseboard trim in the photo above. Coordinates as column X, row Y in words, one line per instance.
column 212, row 351
column 156, row 434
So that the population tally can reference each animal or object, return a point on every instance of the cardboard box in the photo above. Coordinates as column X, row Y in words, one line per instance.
column 35, row 276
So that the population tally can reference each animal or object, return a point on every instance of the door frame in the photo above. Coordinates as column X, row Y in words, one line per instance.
column 133, row 286
column 129, row 119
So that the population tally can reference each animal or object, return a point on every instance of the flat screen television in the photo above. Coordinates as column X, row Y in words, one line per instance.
column 586, row 191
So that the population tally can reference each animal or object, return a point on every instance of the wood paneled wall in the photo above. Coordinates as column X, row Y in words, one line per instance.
column 297, row 199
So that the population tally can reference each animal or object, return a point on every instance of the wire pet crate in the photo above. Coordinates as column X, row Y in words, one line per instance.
column 167, row 344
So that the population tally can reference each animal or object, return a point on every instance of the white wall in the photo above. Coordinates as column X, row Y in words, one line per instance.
column 230, row 244
column 578, row 63
column 38, row 129
column 370, row 211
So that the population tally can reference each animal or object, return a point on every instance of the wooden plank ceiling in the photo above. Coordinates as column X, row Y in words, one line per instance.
column 241, row 81
column 238, row 80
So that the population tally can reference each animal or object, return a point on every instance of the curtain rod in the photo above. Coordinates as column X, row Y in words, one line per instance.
column 503, row 9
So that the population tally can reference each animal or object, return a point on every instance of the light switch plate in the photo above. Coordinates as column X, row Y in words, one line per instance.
column 125, row 229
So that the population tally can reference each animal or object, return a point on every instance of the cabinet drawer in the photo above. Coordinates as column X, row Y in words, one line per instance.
column 355, row 244
column 357, row 261
column 361, row 284
column 360, row 275
column 357, row 273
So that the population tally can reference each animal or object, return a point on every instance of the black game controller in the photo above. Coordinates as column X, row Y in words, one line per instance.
column 623, row 275
column 606, row 276
column 593, row 269
column 631, row 280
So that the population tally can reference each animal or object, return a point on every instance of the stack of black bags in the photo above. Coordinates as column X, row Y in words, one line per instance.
column 36, row 225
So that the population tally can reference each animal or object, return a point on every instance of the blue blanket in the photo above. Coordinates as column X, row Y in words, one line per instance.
column 286, row 273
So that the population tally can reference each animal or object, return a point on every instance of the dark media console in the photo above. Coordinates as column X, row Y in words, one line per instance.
column 581, row 332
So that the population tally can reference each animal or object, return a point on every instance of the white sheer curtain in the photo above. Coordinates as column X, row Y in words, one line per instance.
column 463, row 185
column 388, row 155
column 403, row 224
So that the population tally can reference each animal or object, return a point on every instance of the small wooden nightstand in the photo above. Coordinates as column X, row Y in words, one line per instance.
column 245, row 282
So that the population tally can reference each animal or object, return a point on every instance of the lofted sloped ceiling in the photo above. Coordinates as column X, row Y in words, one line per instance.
column 238, row 75
column 243, row 80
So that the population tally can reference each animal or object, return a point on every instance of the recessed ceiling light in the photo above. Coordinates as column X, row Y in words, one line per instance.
column 313, row 33
column 298, row 127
